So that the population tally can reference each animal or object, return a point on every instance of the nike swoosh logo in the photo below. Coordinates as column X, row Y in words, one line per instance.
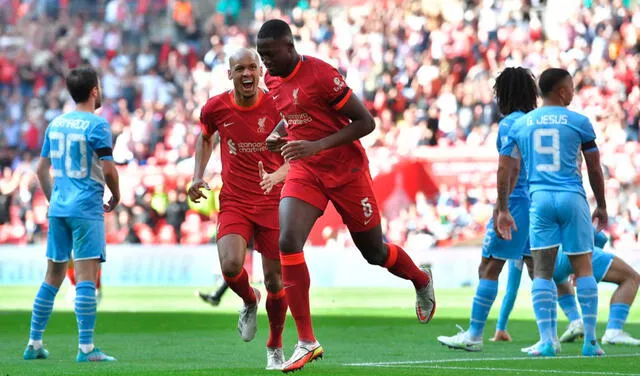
column 227, row 124
column 275, row 97
column 367, row 221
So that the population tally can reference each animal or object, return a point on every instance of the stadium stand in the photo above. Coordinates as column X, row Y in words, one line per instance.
column 424, row 71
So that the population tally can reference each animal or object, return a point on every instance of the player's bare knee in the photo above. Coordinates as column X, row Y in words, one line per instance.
column 289, row 243
column 273, row 281
column 231, row 267
column 375, row 256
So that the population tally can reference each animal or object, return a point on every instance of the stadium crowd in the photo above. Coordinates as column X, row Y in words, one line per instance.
column 425, row 72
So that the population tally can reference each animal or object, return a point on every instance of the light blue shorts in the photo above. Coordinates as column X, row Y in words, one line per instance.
column 600, row 260
column 85, row 237
column 560, row 218
column 518, row 246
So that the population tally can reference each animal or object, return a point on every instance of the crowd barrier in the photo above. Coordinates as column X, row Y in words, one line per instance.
column 198, row 266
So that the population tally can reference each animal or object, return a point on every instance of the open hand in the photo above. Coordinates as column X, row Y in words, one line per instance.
column 300, row 149
column 600, row 218
column 268, row 180
column 505, row 225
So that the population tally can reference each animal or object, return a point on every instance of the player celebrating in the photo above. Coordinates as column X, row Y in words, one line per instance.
column 244, row 117
column 550, row 140
column 77, row 148
column 324, row 121
column 516, row 94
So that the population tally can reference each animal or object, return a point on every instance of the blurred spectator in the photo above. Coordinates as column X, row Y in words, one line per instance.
column 424, row 70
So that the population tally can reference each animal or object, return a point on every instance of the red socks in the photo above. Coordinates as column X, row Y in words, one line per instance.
column 399, row 263
column 277, row 313
column 295, row 277
column 99, row 278
column 240, row 285
column 71, row 274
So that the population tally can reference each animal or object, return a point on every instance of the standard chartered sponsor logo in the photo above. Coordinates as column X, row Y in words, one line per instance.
column 246, row 147
column 297, row 119
column 252, row 147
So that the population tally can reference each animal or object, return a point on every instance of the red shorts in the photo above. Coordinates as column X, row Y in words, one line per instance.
column 354, row 200
column 239, row 221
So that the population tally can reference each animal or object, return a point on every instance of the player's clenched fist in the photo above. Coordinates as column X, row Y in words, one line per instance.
column 195, row 193
column 111, row 204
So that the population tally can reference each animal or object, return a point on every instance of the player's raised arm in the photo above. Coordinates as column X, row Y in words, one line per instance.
column 44, row 176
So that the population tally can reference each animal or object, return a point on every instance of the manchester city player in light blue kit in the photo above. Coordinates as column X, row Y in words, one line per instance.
column 550, row 141
column 606, row 268
column 77, row 153
column 516, row 94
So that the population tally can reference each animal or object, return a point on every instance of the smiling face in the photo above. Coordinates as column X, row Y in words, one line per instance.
column 245, row 72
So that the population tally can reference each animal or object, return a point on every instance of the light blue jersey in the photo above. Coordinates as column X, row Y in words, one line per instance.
column 518, row 246
column 549, row 140
column 75, row 142
column 521, row 190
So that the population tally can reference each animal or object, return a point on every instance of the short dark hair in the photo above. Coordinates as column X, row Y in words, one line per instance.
column 515, row 90
column 550, row 78
column 80, row 81
column 275, row 29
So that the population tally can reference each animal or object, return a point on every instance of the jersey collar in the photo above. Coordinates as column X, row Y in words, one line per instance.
column 295, row 70
column 232, row 98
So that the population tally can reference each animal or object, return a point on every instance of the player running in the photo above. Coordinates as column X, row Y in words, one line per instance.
column 516, row 94
column 550, row 140
column 324, row 121
column 77, row 148
column 244, row 117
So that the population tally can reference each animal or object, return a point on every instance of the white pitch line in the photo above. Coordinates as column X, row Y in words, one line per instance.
column 564, row 372
column 459, row 360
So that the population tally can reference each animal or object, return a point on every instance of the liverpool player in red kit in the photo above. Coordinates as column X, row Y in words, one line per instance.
column 324, row 121
column 244, row 117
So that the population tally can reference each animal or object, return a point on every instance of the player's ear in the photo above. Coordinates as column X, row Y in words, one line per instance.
column 229, row 74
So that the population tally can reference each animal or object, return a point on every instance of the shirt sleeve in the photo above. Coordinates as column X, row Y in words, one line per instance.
column 509, row 145
column 207, row 121
column 100, row 140
column 588, row 136
column 46, row 148
column 333, row 89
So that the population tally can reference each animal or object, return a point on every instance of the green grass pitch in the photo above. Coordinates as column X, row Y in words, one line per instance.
column 168, row 331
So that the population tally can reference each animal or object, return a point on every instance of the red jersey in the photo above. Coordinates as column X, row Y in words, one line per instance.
column 309, row 99
column 243, row 131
